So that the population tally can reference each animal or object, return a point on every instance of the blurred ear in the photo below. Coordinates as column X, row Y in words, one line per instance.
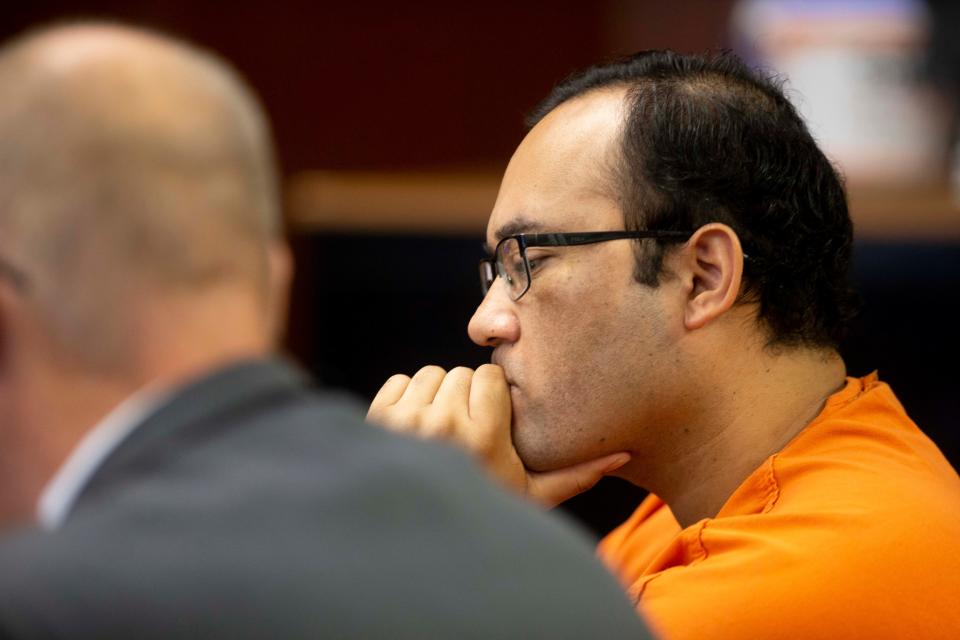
column 711, row 265
column 12, row 287
column 280, row 264
column 6, row 291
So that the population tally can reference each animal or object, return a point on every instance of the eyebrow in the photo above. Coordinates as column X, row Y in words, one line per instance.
column 514, row 227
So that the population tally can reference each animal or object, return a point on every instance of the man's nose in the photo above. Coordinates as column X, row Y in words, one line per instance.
column 495, row 321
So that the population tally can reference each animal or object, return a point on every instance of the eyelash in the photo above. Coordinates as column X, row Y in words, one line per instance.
column 536, row 261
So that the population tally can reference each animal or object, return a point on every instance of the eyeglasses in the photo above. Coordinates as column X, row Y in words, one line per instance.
column 509, row 260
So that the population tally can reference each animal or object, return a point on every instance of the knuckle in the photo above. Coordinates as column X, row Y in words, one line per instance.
column 439, row 422
column 489, row 371
column 443, row 430
column 431, row 370
column 459, row 379
column 393, row 420
column 485, row 448
column 442, row 423
column 421, row 415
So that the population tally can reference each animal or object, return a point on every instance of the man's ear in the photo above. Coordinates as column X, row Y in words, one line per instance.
column 712, row 268
column 4, row 328
column 11, row 292
column 280, row 264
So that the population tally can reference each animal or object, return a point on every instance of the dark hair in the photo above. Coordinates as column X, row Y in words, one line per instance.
column 707, row 139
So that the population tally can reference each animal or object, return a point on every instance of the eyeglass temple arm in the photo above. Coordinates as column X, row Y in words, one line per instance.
column 568, row 239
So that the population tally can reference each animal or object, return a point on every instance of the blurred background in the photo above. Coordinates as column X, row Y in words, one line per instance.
column 395, row 120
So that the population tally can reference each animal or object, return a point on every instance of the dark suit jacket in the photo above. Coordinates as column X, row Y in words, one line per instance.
column 250, row 506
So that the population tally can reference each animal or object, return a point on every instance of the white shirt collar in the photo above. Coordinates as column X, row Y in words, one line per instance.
column 61, row 492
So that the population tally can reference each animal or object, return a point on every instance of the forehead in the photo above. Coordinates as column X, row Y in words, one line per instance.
column 562, row 176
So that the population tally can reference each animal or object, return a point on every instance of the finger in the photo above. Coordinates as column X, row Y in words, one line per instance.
column 550, row 488
column 454, row 391
column 449, row 415
column 490, row 397
column 389, row 394
column 423, row 387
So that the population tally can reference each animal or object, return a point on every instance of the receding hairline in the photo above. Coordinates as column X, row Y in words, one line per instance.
column 703, row 84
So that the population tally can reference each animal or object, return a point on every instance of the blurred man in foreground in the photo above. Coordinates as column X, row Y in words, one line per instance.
column 667, row 288
column 167, row 477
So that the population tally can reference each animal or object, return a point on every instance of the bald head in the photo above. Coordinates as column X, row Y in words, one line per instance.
column 133, row 167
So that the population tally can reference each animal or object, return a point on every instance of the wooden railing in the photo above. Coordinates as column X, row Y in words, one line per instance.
column 460, row 202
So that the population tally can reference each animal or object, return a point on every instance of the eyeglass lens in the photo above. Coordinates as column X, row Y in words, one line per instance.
column 511, row 267
column 487, row 275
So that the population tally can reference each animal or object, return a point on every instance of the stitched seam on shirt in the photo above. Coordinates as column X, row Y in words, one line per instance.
column 773, row 496
column 703, row 545
column 703, row 556
column 773, row 490
column 830, row 407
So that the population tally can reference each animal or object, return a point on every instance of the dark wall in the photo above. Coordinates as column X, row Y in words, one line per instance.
column 377, row 84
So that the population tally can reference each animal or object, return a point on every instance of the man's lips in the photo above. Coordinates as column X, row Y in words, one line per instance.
column 511, row 383
column 506, row 375
column 506, row 372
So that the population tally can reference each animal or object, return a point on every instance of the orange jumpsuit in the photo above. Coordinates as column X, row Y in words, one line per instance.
column 851, row 531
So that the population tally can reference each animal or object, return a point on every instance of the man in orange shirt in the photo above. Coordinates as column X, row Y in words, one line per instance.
column 667, row 288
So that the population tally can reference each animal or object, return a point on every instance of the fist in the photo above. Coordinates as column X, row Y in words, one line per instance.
column 468, row 408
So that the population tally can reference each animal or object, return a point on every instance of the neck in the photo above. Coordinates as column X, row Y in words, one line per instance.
column 44, row 423
column 753, row 411
column 51, row 402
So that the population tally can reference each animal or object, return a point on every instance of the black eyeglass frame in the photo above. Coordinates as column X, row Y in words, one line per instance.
column 489, row 270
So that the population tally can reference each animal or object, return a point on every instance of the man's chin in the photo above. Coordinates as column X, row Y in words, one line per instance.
column 537, row 450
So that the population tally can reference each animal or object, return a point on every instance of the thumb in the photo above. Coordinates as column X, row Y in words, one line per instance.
column 550, row 488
